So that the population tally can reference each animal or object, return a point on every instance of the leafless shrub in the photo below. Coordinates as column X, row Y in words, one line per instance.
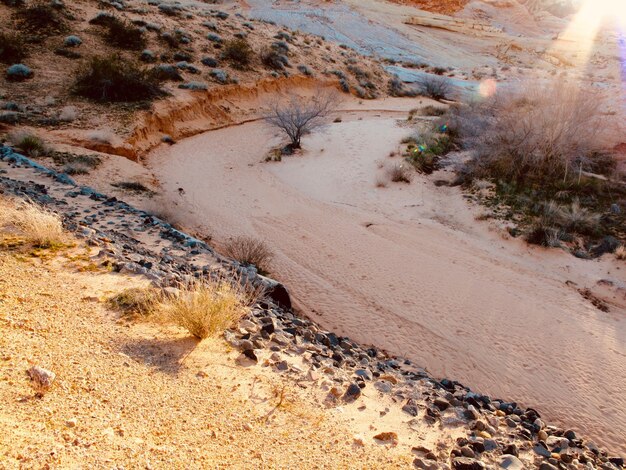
column 548, row 133
column 248, row 250
column 620, row 253
column 435, row 86
column 298, row 116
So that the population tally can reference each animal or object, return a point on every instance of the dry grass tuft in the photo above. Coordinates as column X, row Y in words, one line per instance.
column 620, row 253
column 400, row 173
column 40, row 226
column 249, row 251
column 207, row 308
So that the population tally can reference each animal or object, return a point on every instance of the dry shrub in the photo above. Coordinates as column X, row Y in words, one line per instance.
column 124, row 35
column 238, row 52
column 545, row 133
column 249, row 251
column 135, row 301
column 114, row 79
column 40, row 226
column 435, row 87
column 41, row 19
column 620, row 253
column 207, row 308
column 400, row 173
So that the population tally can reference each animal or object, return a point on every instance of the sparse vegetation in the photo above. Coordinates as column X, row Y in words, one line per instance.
column 38, row 225
column 207, row 308
column 114, row 79
column 249, row 251
column 545, row 144
column 238, row 52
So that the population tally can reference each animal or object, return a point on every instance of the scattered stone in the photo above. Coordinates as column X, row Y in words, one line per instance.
column 541, row 450
column 71, row 423
column 569, row 434
column 425, row 464
column 510, row 462
column 441, row 403
column 352, row 393
column 547, row 466
column 42, row 378
column 466, row 463
column 387, row 437
column 411, row 407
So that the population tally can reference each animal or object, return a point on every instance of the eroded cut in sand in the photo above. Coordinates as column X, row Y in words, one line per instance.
column 408, row 268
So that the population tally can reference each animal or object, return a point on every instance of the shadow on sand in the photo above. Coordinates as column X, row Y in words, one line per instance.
column 166, row 355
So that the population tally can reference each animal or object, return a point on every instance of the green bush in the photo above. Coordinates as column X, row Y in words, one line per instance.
column 114, row 79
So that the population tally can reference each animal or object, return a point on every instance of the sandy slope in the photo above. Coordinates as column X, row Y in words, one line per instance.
column 140, row 396
column 408, row 268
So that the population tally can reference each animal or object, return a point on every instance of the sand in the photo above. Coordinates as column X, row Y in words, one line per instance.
column 408, row 268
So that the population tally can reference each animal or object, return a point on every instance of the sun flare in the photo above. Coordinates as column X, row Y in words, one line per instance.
column 606, row 9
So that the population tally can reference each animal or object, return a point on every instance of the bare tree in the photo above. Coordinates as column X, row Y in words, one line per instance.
column 298, row 116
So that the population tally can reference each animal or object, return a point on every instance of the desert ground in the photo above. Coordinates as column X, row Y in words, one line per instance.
column 421, row 270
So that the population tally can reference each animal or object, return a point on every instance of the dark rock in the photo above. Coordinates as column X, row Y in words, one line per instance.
column 569, row 434
column 441, row 403
column 490, row 445
column 411, row 407
column 467, row 452
column 547, row 466
column 364, row 373
column 352, row 393
column 511, row 449
column 466, row 463
column 541, row 450
column 250, row 354
column 425, row 464
column 510, row 462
